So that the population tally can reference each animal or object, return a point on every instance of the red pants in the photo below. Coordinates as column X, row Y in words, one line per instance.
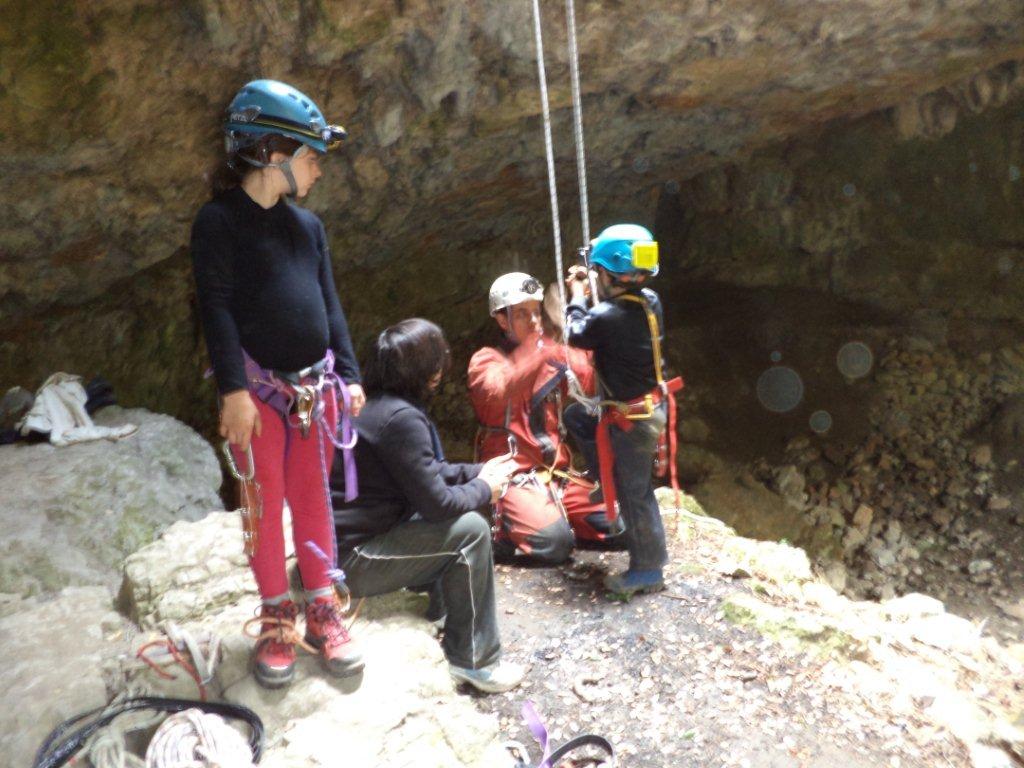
column 529, row 517
column 293, row 468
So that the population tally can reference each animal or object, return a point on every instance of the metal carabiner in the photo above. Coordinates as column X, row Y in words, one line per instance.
column 233, row 468
column 305, row 404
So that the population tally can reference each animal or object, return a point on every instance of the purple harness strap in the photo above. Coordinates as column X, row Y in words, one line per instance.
column 334, row 573
column 550, row 758
column 281, row 396
column 540, row 733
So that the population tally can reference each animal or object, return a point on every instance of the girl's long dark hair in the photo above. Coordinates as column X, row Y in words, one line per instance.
column 229, row 171
column 405, row 357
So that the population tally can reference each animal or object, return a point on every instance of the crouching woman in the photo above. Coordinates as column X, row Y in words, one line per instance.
column 416, row 520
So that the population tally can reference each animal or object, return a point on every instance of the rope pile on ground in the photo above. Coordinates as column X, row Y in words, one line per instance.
column 82, row 733
column 195, row 739
column 108, row 748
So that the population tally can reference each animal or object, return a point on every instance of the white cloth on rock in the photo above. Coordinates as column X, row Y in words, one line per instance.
column 59, row 410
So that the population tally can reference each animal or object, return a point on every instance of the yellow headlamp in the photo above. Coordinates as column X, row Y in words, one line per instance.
column 645, row 256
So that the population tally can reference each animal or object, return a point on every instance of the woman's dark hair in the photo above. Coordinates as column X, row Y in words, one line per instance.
column 405, row 357
column 229, row 172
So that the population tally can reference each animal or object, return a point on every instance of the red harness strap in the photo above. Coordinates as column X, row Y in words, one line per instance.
column 606, row 457
column 671, row 387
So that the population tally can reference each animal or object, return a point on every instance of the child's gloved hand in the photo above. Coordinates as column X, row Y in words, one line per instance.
column 578, row 282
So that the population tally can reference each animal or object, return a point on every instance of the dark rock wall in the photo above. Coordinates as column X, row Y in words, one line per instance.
column 860, row 212
column 702, row 117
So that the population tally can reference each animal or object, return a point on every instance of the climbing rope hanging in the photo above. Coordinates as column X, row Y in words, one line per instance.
column 577, row 112
column 577, row 118
column 575, row 389
column 549, row 148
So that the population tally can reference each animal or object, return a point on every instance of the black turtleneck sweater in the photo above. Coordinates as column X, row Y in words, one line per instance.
column 265, row 285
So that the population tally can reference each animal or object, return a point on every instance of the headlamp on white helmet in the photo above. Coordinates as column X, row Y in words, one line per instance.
column 511, row 289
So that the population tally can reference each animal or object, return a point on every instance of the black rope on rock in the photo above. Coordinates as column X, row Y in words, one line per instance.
column 70, row 736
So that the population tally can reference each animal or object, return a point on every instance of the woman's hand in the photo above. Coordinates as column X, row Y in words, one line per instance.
column 357, row 399
column 496, row 472
column 239, row 418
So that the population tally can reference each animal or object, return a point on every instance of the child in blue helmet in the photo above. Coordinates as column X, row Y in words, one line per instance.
column 624, row 330
column 283, row 360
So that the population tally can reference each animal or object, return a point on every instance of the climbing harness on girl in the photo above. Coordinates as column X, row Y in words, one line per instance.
column 300, row 398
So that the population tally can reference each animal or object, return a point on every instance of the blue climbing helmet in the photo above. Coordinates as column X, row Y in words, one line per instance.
column 265, row 107
column 628, row 251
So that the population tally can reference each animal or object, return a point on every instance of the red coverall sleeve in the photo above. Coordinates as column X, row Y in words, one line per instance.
column 495, row 378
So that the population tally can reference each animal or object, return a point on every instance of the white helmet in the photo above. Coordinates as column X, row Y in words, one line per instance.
column 513, row 288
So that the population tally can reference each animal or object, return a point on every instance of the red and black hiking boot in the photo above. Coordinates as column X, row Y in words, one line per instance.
column 326, row 631
column 273, row 660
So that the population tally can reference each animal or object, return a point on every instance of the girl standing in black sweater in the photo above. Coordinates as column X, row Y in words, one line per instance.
column 282, row 356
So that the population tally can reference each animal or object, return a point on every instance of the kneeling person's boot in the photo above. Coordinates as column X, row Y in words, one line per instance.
column 622, row 586
column 273, row 659
column 325, row 630
column 498, row 677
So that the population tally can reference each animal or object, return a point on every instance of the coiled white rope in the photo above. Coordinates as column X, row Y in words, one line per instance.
column 196, row 739
column 107, row 749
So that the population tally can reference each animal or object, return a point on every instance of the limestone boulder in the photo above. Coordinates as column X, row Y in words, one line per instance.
column 191, row 571
column 774, row 562
column 70, row 515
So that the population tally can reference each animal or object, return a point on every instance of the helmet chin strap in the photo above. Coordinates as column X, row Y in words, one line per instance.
column 286, row 169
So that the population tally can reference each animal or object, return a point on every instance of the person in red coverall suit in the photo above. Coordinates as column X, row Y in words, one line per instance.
column 518, row 388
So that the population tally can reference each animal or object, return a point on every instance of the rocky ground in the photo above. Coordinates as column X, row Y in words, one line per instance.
column 746, row 660
column 930, row 499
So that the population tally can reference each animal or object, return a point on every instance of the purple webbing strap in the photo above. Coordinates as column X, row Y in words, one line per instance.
column 348, row 434
column 540, row 733
column 267, row 387
column 334, row 573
